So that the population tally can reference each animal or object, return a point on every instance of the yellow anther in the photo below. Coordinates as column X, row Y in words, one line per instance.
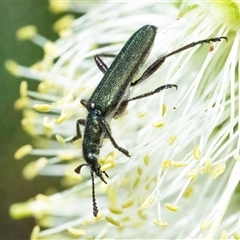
column 142, row 114
column 142, row 215
column 197, row 153
column 22, row 152
column 44, row 198
column 136, row 182
column 12, row 67
column 218, row 170
column 50, row 47
column 42, row 107
column 115, row 210
column 35, row 233
column 148, row 202
column 112, row 195
column 236, row 235
column 180, row 164
column 128, row 203
column 139, row 171
column 65, row 156
column 107, row 166
column 208, row 166
column 188, row 192
column 44, row 86
column 26, row 32
column 58, row 6
column 171, row 207
column 21, row 103
column 205, row 225
column 167, row 164
column 158, row 124
column 113, row 221
column 146, row 160
column 172, row 138
column 224, row 235
column 47, row 125
column 76, row 231
column 63, row 23
column 164, row 109
column 61, row 119
column 31, row 170
column 60, row 140
column 192, row 173
column 23, row 89
column 160, row 223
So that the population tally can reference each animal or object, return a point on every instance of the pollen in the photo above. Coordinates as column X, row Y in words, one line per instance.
column 218, row 170
column 107, row 166
column 164, row 109
column 23, row 89
column 171, row 207
column 50, row 48
column 188, row 192
column 60, row 140
column 160, row 223
column 224, row 235
column 21, row 103
column 167, row 164
column 61, row 119
column 139, row 171
column 208, row 166
column 113, row 221
column 148, row 202
column 197, row 154
column 146, row 160
column 63, row 23
column 142, row 114
column 192, row 174
column 180, row 164
column 142, row 215
column 12, row 67
column 128, row 203
column 205, row 225
column 42, row 107
column 35, row 233
column 30, row 170
column 58, row 6
column 76, row 231
column 26, row 32
column 65, row 156
column 236, row 235
column 115, row 210
column 112, row 195
column 158, row 124
column 172, row 138
column 47, row 125
column 22, row 152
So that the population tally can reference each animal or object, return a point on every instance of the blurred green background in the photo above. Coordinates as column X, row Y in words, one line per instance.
column 13, row 187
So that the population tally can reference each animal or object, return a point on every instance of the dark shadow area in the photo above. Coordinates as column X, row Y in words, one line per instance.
column 13, row 187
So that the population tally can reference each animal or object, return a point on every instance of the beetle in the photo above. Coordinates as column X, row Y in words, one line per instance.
column 111, row 96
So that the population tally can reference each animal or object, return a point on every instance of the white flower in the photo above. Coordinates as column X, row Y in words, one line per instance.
column 181, row 179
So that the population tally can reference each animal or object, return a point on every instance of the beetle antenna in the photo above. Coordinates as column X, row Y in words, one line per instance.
column 95, row 208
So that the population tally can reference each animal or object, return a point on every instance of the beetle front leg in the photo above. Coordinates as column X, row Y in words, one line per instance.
column 78, row 123
column 108, row 134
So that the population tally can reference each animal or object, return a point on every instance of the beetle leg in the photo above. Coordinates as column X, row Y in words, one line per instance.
column 106, row 128
column 78, row 123
column 157, row 90
column 155, row 65
column 101, row 65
